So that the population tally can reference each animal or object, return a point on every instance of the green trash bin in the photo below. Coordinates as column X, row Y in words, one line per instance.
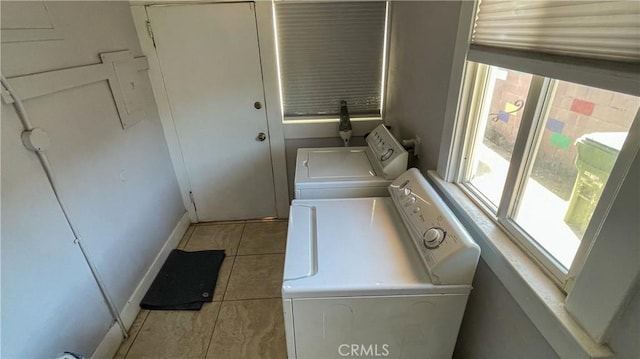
column 597, row 152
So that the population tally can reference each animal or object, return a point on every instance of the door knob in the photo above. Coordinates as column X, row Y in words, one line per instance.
column 261, row 136
column 257, row 105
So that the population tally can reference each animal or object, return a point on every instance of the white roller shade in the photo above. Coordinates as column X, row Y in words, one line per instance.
column 607, row 30
column 330, row 52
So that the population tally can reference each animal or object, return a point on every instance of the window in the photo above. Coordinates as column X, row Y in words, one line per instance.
column 541, row 139
column 549, row 98
column 574, row 65
column 538, row 154
column 328, row 52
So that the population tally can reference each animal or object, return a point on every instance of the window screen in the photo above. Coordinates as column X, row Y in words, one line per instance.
column 330, row 52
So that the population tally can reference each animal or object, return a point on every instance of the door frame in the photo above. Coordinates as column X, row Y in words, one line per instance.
column 269, row 67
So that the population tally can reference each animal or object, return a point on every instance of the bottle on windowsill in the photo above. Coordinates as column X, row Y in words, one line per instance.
column 344, row 128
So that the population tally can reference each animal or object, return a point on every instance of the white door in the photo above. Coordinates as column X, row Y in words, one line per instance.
column 210, row 63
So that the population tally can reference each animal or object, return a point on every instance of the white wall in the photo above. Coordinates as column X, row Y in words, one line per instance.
column 421, row 51
column 494, row 326
column 421, row 43
column 118, row 184
column 47, row 291
column 624, row 334
column 622, row 222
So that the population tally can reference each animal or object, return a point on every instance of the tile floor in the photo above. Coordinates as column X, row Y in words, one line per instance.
column 245, row 318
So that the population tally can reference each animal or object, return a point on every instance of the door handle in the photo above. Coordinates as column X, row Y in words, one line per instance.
column 257, row 105
column 261, row 137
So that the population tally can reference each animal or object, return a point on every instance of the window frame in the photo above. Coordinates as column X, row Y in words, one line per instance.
column 541, row 91
column 540, row 94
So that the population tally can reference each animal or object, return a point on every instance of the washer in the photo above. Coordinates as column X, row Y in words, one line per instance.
column 385, row 276
column 346, row 172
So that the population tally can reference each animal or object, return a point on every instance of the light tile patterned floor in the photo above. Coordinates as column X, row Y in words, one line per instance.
column 245, row 318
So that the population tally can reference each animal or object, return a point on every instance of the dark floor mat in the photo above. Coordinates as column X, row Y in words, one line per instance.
column 185, row 281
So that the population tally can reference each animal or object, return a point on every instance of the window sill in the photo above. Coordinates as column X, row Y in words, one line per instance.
column 326, row 128
column 535, row 293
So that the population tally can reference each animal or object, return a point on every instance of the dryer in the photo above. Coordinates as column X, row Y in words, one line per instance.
column 376, row 276
column 346, row 172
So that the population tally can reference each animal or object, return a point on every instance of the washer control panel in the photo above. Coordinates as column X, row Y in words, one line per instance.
column 445, row 246
column 388, row 152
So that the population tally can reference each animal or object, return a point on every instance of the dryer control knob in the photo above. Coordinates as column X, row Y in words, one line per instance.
column 433, row 237
column 387, row 154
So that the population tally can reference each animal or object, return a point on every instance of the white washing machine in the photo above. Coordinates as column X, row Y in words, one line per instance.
column 386, row 277
column 345, row 172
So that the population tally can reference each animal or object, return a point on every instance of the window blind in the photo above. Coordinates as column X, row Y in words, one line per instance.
column 608, row 30
column 330, row 52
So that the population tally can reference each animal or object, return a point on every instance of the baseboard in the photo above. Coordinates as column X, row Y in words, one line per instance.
column 109, row 345
column 132, row 307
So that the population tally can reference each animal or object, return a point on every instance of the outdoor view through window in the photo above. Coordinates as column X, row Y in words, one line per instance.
column 580, row 133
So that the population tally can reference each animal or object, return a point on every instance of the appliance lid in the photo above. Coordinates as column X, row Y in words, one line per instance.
column 302, row 227
column 355, row 246
column 338, row 163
